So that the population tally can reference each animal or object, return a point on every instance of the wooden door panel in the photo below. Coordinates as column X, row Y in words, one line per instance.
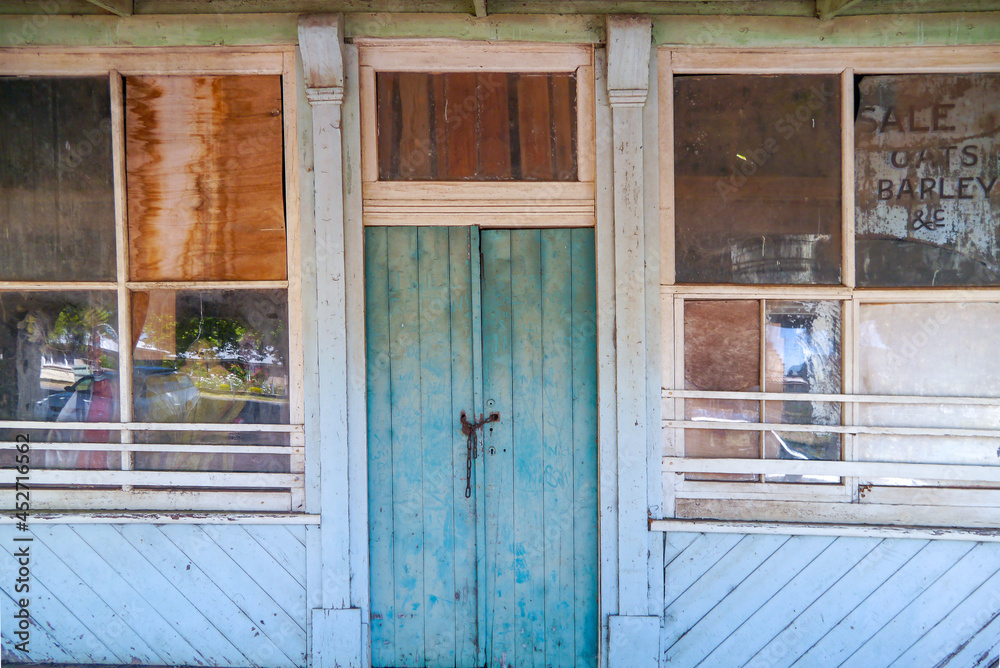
column 515, row 583
column 423, row 579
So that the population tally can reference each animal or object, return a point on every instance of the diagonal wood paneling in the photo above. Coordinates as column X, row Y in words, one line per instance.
column 773, row 601
column 212, row 595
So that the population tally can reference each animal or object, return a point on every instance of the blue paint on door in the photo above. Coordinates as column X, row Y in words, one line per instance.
column 507, row 576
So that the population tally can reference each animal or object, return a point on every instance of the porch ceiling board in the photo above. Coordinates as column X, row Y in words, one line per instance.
column 852, row 600
column 824, row 9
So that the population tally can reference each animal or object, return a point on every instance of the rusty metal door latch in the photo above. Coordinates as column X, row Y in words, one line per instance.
column 472, row 443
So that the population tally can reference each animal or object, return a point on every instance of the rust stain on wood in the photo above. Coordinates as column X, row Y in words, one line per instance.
column 205, row 178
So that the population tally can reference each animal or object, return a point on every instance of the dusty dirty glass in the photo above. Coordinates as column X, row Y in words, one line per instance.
column 44, row 453
column 218, row 356
column 927, row 195
column 758, row 179
column 59, row 364
column 722, row 353
column 476, row 126
column 802, row 343
column 937, row 350
column 56, row 187
column 252, row 462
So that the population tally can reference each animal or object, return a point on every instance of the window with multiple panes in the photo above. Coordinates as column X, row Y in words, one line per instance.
column 149, row 348
column 831, row 288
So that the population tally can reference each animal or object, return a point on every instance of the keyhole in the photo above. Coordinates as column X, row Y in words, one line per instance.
column 493, row 450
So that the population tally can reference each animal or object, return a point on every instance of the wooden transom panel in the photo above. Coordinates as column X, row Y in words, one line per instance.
column 205, row 178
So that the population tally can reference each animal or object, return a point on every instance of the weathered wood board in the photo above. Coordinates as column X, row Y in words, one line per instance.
column 205, row 178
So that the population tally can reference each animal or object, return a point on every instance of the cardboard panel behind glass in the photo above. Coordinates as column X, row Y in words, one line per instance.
column 928, row 198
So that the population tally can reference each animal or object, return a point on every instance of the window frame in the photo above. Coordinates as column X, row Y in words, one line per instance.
column 503, row 204
column 230, row 492
column 854, row 502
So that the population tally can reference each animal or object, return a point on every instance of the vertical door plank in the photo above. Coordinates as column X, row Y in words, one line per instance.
column 498, row 580
column 388, row 125
column 563, row 88
column 534, row 127
column 584, row 366
column 463, row 398
column 494, row 126
column 460, row 125
column 407, row 459
column 415, row 132
column 479, row 403
column 557, row 430
column 529, row 461
column 380, row 492
column 436, row 428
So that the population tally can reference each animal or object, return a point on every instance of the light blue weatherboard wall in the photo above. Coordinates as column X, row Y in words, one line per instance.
column 174, row 594
column 771, row 601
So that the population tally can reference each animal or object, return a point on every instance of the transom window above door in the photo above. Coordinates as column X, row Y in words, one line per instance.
column 477, row 134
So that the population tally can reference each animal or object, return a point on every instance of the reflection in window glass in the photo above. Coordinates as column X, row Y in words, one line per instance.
column 58, row 356
column 927, row 180
column 722, row 353
column 45, row 454
column 213, row 461
column 758, row 179
column 802, row 356
column 215, row 356
column 56, row 187
column 934, row 350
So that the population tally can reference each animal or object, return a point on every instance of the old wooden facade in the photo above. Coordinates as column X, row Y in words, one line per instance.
column 495, row 333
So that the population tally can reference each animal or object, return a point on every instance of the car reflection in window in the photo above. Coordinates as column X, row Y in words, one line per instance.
column 161, row 395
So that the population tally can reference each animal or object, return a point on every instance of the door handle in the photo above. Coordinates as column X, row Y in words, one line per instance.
column 472, row 443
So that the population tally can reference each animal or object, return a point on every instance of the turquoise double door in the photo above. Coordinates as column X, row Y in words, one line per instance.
column 484, row 549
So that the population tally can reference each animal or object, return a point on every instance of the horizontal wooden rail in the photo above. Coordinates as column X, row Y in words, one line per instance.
column 832, row 429
column 833, row 398
column 817, row 467
column 172, row 479
column 160, row 447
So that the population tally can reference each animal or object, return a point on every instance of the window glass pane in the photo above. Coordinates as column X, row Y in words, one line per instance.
column 44, row 452
column 217, row 356
column 205, row 178
column 802, row 356
column 58, row 356
column 722, row 353
column 933, row 350
column 757, row 179
column 926, row 171
column 205, row 459
column 56, row 187
column 465, row 126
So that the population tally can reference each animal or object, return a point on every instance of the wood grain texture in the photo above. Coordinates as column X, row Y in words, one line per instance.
column 205, row 186
column 167, row 595
column 813, row 600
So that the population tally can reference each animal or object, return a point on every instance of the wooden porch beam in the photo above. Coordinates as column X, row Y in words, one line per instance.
column 827, row 9
column 479, row 8
column 123, row 8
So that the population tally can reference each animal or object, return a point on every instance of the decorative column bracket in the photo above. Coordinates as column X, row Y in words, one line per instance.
column 337, row 633
column 633, row 634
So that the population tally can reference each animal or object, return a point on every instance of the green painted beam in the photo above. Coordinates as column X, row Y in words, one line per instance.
column 143, row 31
column 827, row 9
column 122, row 8
column 721, row 31
column 844, row 31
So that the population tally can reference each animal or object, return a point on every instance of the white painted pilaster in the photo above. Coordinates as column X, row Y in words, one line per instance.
column 634, row 633
column 337, row 634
